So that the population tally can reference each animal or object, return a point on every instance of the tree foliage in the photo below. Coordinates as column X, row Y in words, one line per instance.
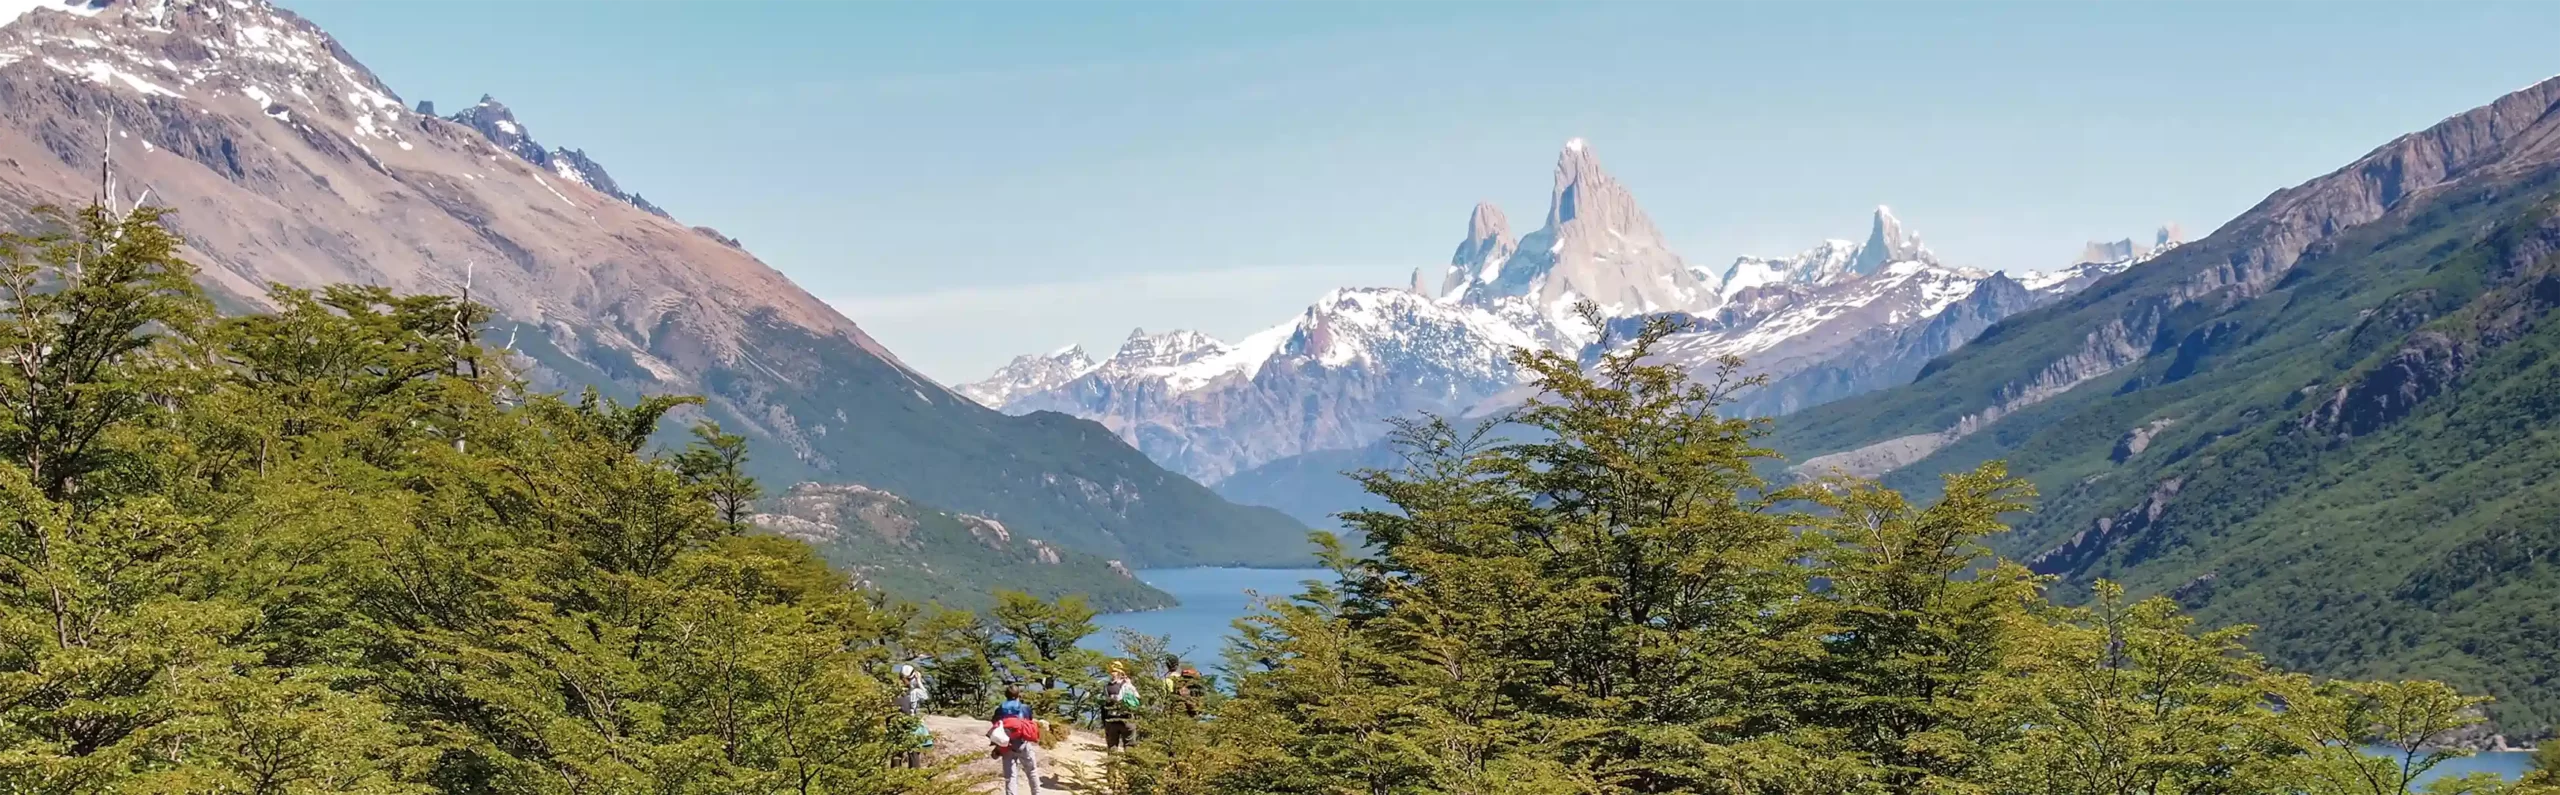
column 336, row 548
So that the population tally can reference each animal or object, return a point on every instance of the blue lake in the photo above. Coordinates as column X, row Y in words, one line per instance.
column 2507, row 764
column 1213, row 598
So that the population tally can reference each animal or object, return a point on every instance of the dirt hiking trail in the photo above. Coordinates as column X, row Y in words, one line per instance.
column 1074, row 766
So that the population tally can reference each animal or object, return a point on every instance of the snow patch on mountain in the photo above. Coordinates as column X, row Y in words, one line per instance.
column 1823, row 262
column 1029, row 374
column 11, row 10
column 1795, row 313
column 186, row 48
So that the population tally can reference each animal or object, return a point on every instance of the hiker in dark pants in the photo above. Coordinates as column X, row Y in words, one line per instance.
column 1119, row 709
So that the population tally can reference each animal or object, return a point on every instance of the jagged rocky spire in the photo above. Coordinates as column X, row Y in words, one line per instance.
column 1487, row 245
column 1887, row 243
column 498, row 124
column 1597, row 245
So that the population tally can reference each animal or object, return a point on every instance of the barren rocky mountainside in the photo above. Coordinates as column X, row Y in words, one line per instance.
column 287, row 161
column 1842, row 318
column 2331, row 418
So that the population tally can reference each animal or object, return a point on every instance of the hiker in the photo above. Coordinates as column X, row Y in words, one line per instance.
column 1184, row 683
column 911, row 699
column 1015, row 741
column 1012, row 706
column 1119, row 708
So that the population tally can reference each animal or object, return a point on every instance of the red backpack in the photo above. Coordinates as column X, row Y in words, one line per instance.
column 1022, row 730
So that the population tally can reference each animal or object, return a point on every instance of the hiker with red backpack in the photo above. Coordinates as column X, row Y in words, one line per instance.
column 1015, row 740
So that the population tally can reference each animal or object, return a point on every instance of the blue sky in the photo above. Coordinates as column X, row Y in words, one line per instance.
column 970, row 181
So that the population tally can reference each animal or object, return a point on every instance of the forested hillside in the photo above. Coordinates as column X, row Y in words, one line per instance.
column 2350, row 448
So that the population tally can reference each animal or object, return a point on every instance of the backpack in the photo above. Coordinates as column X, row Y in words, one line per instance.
column 1019, row 731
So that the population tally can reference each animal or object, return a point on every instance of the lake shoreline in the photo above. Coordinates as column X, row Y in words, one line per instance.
column 1139, row 575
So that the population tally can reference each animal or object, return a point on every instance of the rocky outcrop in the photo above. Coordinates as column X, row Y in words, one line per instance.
column 2138, row 439
column 2087, row 546
column 2423, row 368
column 2518, row 130
column 494, row 121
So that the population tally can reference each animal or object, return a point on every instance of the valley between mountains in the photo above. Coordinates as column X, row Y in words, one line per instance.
column 2331, row 417
column 288, row 162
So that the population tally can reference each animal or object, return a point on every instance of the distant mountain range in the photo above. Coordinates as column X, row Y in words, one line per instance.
column 1836, row 320
column 287, row 161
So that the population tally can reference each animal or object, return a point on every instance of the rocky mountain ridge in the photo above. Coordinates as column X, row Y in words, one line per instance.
column 499, row 125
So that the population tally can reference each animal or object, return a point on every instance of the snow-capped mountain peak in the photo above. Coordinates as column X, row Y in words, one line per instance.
column 201, row 49
column 1028, row 375
column 1326, row 378
column 1480, row 256
column 1597, row 245
column 1839, row 318
column 1169, row 349
column 1831, row 260
column 498, row 124
column 269, row 60
column 1888, row 243
column 1823, row 262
